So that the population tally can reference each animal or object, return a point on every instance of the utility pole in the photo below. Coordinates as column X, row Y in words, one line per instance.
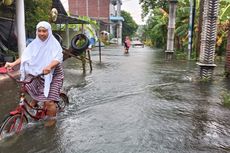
column 208, row 39
column 20, row 20
column 191, row 26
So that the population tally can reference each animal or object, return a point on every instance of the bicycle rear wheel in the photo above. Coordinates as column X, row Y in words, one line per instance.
column 63, row 102
column 12, row 124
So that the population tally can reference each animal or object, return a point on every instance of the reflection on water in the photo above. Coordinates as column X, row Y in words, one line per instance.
column 136, row 103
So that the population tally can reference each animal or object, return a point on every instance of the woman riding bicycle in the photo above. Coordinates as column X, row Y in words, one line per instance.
column 43, row 55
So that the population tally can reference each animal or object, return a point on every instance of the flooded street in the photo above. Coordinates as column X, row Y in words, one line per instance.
column 135, row 103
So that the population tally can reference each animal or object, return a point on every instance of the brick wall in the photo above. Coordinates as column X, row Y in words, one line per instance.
column 81, row 7
column 104, row 10
column 96, row 9
column 93, row 7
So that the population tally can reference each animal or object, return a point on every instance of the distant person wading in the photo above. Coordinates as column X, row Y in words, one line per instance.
column 127, row 44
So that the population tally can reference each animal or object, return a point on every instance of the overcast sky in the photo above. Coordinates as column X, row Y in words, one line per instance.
column 134, row 8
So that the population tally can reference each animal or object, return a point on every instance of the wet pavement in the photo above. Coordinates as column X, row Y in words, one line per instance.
column 134, row 103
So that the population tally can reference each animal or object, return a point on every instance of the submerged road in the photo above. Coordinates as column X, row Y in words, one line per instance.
column 134, row 103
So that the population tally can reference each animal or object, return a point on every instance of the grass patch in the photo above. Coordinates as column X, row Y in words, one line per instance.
column 225, row 99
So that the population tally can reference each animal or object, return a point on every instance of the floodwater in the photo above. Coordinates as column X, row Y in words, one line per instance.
column 135, row 103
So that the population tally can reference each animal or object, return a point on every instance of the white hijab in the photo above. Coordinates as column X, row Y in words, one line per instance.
column 40, row 54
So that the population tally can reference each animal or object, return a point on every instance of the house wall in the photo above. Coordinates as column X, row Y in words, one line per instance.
column 100, row 10
column 95, row 9
column 112, row 10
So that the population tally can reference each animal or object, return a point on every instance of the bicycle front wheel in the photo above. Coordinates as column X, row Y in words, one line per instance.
column 12, row 124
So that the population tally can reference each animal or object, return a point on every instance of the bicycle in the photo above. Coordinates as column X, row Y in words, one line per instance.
column 18, row 118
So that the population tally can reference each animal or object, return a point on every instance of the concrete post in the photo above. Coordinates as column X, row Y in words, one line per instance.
column 111, row 29
column 227, row 63
column 118, row 9
column 20, row 20
column 67, row 34
column 171, row 28
column 119, row 33
column 119, row 23
column 208, row 39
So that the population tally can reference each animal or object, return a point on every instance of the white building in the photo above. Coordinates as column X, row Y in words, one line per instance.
column 116, row 20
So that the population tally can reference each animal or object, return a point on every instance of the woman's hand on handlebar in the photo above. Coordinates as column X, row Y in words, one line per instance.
column 9, row 65
column 46, row 70
column 51, row 66
column 12, row 64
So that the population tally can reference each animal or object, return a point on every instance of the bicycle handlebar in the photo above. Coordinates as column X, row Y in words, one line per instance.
column 4, row 70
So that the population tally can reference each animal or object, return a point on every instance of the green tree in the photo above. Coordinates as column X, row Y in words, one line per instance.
column 129, row 26
column 35, row 11
column 156, row 28
column 157, row 23
column 148, row 6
